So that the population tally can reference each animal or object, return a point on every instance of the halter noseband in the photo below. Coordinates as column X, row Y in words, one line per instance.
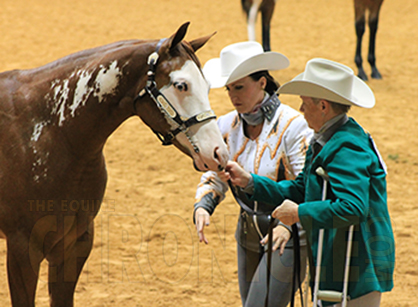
column 177, row 122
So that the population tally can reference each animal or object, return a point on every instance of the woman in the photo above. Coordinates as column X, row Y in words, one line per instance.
column 266, row 138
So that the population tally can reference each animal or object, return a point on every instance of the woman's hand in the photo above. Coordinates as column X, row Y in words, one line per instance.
column 237, row 174
column 223, row 175
column 281, row 235
column 202, row 219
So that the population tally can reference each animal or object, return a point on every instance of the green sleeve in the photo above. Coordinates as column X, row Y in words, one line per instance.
column 274, row 193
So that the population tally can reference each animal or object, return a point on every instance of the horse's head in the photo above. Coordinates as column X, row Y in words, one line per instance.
column 175, row 103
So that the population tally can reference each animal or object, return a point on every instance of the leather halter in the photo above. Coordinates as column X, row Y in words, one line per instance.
column 176, row 121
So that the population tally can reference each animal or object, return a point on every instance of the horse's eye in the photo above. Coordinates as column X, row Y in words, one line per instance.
column 181, row 86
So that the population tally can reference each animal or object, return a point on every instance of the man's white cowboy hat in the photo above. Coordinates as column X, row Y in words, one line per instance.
column 240, row 60
column 331, row 81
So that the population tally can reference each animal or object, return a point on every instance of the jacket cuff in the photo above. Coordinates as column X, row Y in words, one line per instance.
column 249, row 189
column 207, row 202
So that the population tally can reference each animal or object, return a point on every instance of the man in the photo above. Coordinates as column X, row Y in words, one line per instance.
column 356, row 185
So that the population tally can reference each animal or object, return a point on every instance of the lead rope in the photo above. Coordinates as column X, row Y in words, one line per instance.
column 296, row 282
column 269, row 256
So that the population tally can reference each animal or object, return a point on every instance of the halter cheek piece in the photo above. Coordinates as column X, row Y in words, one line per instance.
column 177, row 122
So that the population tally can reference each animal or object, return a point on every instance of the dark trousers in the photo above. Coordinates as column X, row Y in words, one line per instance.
column 252, row 276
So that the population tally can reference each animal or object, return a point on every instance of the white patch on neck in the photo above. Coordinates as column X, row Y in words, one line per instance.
column 37, row 130
column 106, row 82
column 60, row 97
column 39, row 166
column 82, row 91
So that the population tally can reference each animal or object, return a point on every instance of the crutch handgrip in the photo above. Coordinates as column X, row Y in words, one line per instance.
column 330, row 296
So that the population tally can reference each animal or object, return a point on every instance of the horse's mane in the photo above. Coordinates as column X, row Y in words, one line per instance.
column 84, row 56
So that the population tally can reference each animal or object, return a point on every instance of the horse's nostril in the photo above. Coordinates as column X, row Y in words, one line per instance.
column 216, row 154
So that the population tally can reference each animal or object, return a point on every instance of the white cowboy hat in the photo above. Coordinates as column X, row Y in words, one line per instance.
column 331, row 81
column 240, row 60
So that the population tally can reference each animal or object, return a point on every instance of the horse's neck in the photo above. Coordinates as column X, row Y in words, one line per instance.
column 83, row 100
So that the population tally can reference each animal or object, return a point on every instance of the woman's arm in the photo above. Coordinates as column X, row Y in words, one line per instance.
column 210, row 192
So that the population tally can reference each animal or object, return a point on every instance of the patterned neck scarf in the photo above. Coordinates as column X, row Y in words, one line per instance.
column 266, row 109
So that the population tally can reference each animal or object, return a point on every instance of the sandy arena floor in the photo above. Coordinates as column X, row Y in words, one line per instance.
column 146, row 251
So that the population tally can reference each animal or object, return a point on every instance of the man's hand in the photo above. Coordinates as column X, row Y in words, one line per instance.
column 237, row 174
column 281, row 236
column 287, row 212
column 202, row 219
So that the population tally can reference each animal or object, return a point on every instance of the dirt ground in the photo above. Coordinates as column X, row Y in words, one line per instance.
column 146, row 251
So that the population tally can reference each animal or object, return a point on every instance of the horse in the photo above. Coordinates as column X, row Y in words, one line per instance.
column 55, row 121
column 360, row 8
column 251, row 9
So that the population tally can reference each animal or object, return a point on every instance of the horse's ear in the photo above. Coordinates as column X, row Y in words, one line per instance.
column 176, row 38
column 199, row 42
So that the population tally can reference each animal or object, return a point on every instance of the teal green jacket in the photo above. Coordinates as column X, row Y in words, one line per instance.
column 356, row 195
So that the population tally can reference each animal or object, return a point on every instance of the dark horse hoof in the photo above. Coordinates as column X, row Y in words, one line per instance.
column 376, row 74
column 362, row 75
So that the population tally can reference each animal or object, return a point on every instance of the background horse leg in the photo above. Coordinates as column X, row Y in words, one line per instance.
column 66, row 265
column 23, row 270
column 267, row 9
column 252, row 13
column 360, row 26
column 373, row 23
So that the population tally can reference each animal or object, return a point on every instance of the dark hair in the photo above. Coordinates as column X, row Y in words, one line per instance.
column 272, row 85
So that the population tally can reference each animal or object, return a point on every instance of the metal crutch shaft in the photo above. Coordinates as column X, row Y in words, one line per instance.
column 335, row 296
column 328, row 295
column 321, row 172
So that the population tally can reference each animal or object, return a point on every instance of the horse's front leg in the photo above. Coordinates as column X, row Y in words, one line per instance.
column 266, row 14
column 23, row 262
column 66, row 262
column 373, row 23
column 251, row 19
column 360, row 28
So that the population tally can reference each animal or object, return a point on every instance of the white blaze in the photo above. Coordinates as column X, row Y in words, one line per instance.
column 195, row 99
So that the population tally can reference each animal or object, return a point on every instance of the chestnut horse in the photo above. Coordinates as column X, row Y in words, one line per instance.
column 360, row 8
column 55, row 121
column 251, row 9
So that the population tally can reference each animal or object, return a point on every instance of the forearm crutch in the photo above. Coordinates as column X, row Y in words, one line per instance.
column 330, row 295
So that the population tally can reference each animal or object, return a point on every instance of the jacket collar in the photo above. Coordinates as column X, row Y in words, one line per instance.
column 328, row 129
